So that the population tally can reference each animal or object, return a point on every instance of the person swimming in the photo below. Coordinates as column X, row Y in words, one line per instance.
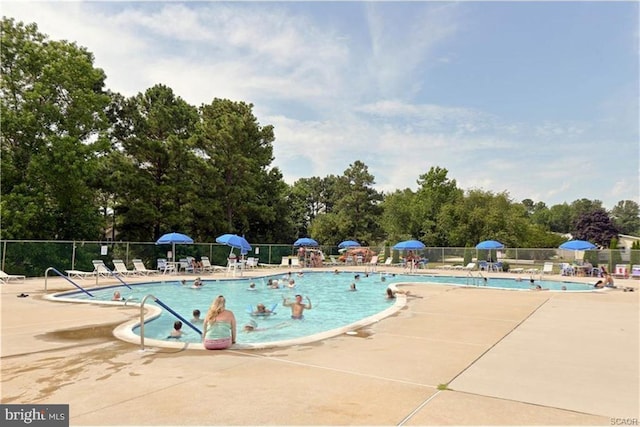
column 177, row 330
column 250, row 326
column 297, row 307
column 261, row 310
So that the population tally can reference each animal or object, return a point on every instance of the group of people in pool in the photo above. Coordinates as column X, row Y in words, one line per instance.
column 219, row 324
column 197, row 283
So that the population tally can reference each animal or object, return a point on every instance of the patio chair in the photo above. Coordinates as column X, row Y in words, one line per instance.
column 566, row 269
column 233, row 265
column 6, row 278
column 141, row 269
column 100, row 268
column 122, row 269
column 186, row 265
column 547, row 268
column 79, row 274
column 373, row 263
column 621, row 271
column 469, row 267
column 635, row 271
column 252, row 262
column 207, row 266
column 165, row 266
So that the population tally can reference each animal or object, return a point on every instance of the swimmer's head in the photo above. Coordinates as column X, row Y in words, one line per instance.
column 251, row 325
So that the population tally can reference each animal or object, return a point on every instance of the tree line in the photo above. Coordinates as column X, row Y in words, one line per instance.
column 81, row 162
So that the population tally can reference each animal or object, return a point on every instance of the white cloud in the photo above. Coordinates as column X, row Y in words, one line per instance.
column 333, row 101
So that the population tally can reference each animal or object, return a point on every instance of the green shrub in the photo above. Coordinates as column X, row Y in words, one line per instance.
column 468, row 255
column 616, row 256
column 635, row 253
column 591, row 257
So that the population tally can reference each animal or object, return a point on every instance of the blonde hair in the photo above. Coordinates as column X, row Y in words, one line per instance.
column 217, row 307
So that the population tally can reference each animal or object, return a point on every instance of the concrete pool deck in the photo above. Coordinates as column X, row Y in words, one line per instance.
column 456, row 356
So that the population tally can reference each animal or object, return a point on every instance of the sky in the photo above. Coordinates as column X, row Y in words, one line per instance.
column 536, row 99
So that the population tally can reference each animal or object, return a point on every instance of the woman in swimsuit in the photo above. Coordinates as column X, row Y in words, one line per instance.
column 219, row 324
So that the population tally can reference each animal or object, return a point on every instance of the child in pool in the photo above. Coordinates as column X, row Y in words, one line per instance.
column 177, row 330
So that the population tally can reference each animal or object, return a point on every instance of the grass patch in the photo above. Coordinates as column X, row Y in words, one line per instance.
column 443, row 386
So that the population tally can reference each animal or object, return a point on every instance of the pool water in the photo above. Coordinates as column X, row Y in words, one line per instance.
column 334, row 305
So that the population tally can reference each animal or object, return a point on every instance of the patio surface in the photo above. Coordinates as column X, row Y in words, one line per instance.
column 457, row 356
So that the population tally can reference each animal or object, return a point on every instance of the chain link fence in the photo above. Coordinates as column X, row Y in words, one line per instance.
column 32, row 257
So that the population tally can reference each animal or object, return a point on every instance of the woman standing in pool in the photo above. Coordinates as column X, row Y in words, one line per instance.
column 219, row 326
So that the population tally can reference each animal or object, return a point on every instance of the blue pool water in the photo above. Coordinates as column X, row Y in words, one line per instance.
column 334, row 305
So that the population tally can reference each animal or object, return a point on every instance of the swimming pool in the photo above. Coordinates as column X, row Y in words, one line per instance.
column 334, row 305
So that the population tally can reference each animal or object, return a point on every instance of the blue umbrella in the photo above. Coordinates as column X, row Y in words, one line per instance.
column 234, row 241
column 409, row 245
column 578, row 245
column 349, row 244
column 305, row 241
column 489, row 244
column 172, row 239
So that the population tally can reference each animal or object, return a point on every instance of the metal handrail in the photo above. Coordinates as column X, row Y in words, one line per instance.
column 117, row 276
column 169, row 309
column 46, row 273
column 474, row 277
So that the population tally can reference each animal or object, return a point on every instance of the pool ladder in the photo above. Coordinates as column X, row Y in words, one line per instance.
column 475, row 280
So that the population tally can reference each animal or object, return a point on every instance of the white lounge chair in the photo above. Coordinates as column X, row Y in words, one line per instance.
column 470, row 266
column 332, row 260
column 79, row 274
column 207, row 266
column 547, row 268
column 6, row 278
column 100, row 268
column 373, row 263
column 120, row 268
column 141, row 269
